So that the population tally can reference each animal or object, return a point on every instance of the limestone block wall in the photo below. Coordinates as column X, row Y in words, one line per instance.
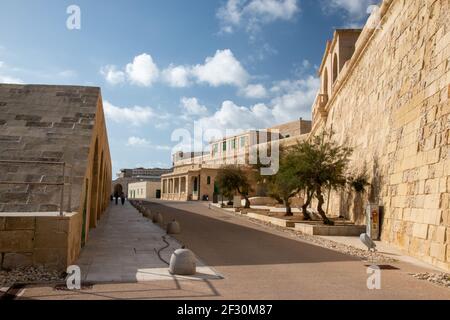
column 391, row 104
column 41, row 127
column 44, row 240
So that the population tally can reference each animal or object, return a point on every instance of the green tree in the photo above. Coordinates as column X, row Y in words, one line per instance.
column 321, row 164
column 285, row 184
column 234, row 179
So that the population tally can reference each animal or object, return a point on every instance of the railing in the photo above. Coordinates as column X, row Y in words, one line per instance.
column 62, row 184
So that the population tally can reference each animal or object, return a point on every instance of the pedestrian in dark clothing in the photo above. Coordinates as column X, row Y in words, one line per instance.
column 112, row 197
column 116, row 196
column 122, row 198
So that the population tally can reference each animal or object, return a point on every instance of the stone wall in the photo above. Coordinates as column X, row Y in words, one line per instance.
column 41, row 128
column 391, row 104
column 294, row 128
column 44, row 240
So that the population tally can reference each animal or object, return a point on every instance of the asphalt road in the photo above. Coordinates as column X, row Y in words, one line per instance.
column 257, row 262
column 261, row 262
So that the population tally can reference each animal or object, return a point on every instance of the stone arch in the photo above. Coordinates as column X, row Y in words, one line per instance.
column 94, row 189
column 118, row 189
column 335, row 67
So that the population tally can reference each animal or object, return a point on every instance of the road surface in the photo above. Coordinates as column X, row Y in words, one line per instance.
column 256, row 262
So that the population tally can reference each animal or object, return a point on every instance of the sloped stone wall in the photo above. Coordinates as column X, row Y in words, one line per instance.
column 40, row 127
column 391, row 104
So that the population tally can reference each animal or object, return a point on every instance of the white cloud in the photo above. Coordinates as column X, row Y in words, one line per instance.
column 294, row 100
column 144, row 143
column 8, row 79
column 355, row 10
column 254, row 13
column 270, row 10
column 254, row 91
column 137, row 142
column 67, row 73
column 162, row 147
column 113, row 75
column 135, row 116
column 230, row 116
column 4, row 78
column 142, row 71
column 177, row 76
column 191, row 106
column 222, row 69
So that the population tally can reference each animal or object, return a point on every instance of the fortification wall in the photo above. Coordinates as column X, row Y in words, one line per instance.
column 391, row 104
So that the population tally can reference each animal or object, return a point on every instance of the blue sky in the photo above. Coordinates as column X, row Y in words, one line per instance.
column 172, row 64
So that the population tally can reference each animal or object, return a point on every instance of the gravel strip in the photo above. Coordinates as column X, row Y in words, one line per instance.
column 29, row 275
column 442, row 279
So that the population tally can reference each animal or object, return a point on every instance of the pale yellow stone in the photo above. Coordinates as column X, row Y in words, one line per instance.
column 420, row 230
column 440, row 234
column 438, row 251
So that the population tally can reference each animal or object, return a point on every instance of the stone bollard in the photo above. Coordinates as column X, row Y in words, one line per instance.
column 147, row 213
column 183, row 263
column 157, row 218
column 173, row 227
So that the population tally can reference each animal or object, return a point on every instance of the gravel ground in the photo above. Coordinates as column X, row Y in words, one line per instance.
column 28, row 275
column 442, row 279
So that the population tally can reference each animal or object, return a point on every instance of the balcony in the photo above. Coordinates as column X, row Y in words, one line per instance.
column 319, row 107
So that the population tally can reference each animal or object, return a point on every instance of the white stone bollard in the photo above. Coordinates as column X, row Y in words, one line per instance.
column 183, row 263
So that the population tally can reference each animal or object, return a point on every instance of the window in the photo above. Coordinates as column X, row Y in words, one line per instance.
column 325, row 82
column 335, row 68
column 224, row 146
column 243, row 141
column 208, row 180
column 233, row 143
column 215, row 149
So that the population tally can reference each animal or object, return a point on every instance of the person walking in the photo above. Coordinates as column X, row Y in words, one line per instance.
column 122, row 198
column 116, row 197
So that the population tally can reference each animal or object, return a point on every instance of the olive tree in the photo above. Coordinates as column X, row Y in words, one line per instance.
column 285, row 184
column 321, row 165
column 233, row 179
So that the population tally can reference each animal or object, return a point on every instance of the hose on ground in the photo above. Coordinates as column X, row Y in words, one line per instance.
column 158, row 252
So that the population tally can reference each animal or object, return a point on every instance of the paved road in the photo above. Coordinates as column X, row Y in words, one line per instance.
column 258, row 262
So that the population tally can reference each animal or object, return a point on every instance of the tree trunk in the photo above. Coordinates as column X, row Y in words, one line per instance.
column 305, row 206
column 320, row 210
column 288, row 208
column 247, row 202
